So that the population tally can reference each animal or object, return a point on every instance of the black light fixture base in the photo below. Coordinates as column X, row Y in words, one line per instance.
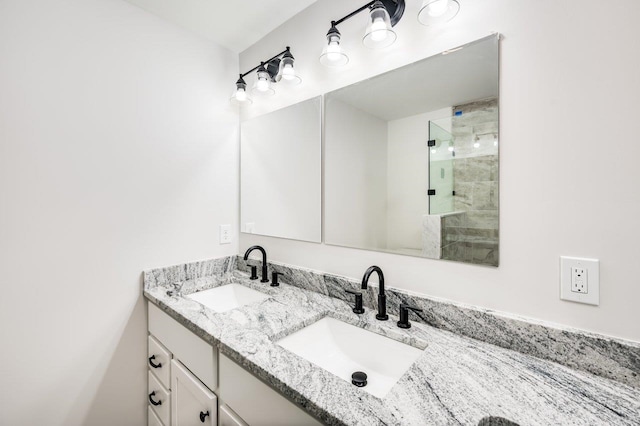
column 273, row 67
column 395, row 9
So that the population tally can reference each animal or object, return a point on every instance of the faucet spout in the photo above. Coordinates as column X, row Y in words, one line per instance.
column 382, row 298
column 265, row 274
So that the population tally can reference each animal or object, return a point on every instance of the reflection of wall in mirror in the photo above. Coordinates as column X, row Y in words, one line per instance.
column 408, row 180
column 356, row 201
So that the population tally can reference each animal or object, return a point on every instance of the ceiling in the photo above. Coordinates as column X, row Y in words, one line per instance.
column 234, row 24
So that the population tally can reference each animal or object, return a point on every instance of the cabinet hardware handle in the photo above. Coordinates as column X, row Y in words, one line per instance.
column 203, row 416
column 158, row 365
column 151, row 395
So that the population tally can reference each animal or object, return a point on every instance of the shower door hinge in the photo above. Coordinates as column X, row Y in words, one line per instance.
column 431, row 192
column 431, row 142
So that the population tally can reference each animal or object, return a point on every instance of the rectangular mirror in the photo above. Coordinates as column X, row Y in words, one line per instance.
column 280, row 173
column 411, row 158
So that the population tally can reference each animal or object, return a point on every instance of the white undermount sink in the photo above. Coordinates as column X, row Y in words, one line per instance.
column 227, row 297
column 343, row 349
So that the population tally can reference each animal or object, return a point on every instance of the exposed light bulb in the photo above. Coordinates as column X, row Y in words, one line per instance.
column 476, row 145
column 433, row 151
column 438, row 11
column 332, row 54
column 288, row 73
column 450, row 149
column 379, row 33
column 262, row 85
column 437, row 8
column 241, row 95
column 333, row 51
column 378, row 30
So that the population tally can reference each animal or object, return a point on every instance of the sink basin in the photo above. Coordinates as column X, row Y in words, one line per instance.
column 343, row 349
column 227, row 297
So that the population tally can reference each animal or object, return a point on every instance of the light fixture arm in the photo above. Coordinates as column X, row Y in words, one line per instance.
column 267, row 62
column 394, row 7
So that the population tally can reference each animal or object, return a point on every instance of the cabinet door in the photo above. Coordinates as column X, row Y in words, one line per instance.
column 256, row 402
column 192, row 404
column 229, row 418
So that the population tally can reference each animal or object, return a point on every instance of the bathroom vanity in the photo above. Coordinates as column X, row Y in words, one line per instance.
column 238, row 366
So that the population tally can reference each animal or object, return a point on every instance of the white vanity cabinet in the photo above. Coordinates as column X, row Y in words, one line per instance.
column 183, row 373
column 191, row 384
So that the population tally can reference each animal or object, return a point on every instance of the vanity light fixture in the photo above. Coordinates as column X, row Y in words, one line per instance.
column 279, row 68
column 383, row 15
column 435, row 12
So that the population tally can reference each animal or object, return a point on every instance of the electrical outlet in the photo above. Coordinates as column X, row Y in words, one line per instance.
column 225, row 234
column 580, row 280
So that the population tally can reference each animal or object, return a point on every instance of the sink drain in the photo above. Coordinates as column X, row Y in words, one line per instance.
column 359, row 379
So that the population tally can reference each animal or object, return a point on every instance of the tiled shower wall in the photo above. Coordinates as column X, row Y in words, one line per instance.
column 473, row 236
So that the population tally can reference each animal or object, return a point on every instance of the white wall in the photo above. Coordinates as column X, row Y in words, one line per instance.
column 356, row 187
column 408, row 178
column 118, row 153
column 565, row 66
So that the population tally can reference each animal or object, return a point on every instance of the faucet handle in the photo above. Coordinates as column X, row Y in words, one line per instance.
column 254, row 272
column 404, row 315
column 358, row 309
column 274, row 278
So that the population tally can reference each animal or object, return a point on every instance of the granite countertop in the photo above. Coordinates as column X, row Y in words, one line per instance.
column 456, row 380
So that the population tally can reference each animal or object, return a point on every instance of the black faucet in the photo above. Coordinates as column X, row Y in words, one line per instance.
column 382, row 299
column 264, row 261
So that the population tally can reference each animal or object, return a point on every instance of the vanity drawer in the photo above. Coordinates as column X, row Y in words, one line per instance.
column 159, row 360
column 196, row 354
column 255, row 401
column 159, row 399
column 192, row 403
column 153, row 419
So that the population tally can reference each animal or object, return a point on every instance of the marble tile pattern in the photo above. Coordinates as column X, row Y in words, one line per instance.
column 475, row 184
column 431, row 236
column 607, row 357
column 457, row 380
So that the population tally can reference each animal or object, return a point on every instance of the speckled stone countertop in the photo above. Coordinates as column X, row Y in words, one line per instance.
column 457, row 380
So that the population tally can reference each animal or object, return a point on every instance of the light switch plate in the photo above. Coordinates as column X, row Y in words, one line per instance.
column 580, row 280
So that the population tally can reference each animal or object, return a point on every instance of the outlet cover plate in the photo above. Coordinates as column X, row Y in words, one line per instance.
column 225, row 234
column 592, row 266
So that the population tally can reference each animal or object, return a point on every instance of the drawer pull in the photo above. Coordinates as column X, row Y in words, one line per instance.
column 158, row 365
column 203, row 416
column 151, row 395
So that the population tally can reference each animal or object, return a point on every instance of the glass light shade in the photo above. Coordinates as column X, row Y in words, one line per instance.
column 287, row 74
column 241, row 97
column 332, row 54
column 379, row 33
column 435, row 12
column 262, row 85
